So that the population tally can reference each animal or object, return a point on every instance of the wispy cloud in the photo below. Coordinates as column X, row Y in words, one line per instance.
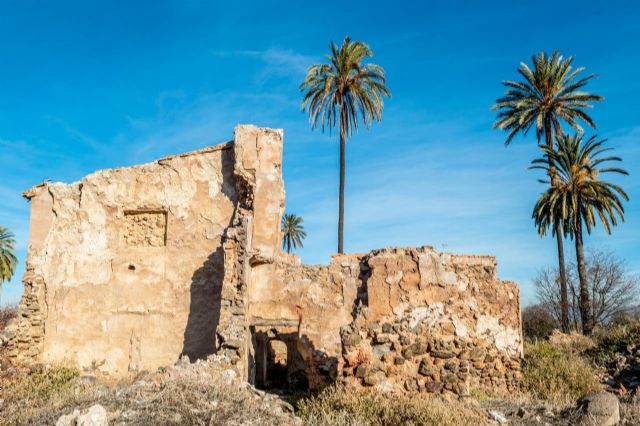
column 79, row 135
column 277, row 62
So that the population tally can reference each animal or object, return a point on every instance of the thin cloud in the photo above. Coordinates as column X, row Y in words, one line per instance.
column 277, row 62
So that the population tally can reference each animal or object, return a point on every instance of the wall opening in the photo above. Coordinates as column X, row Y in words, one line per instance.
column 277, row 362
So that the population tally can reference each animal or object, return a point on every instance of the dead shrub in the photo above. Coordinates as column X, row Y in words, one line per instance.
column 537, row 321
column 6, row 314
column 575, row 343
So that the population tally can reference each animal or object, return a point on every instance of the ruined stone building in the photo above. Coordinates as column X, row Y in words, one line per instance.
column 131, row 268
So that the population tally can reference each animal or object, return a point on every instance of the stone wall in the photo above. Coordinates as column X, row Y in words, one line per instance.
column 129, row 269
column 398, row 319
column 434, row 322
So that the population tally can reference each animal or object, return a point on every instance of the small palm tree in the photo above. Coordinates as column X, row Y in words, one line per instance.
column 8, row 258
column 293, row 231
column 341, row 92
column 548, row 96
column 578, row 198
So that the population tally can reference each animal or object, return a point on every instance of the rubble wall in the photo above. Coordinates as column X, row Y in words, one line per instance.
column 434, row 322
column 408, row 319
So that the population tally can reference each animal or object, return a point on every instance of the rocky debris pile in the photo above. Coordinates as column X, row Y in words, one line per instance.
column 202, row 392
column 623, row 370
column 95, row 415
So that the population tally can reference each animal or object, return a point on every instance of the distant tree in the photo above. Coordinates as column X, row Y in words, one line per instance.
column 340, row 93
column 547, row 96
column 538, row 321
column 577, row 198
column 8, row 258
column 293, row 230
column 614, row 292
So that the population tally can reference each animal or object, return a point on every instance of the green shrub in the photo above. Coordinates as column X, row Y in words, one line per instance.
column 555, row 375
column 618, row 338
column 45, row 382
column 338, row 405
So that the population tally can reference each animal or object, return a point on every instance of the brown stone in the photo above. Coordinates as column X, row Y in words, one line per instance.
column 442, row 354
column 434, row 387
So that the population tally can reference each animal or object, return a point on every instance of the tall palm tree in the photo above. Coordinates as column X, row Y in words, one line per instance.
column 8, row 258
column 293, row 231
column 342, row 92
column 578, row 198
column 548, row 96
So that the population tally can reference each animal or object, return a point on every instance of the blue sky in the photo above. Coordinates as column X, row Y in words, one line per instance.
column 91, row 85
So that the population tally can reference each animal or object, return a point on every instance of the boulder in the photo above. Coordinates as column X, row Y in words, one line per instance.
column 600, row 409
column 95, row 415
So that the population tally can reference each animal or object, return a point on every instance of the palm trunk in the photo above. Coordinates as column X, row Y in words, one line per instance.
column 343, row 143
column 585, row 306
column 564, row 304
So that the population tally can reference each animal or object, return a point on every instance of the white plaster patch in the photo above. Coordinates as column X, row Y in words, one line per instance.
column 504, row 338
column 393, row 279
column 461, row 327
column 400, row 309
column 417, row 315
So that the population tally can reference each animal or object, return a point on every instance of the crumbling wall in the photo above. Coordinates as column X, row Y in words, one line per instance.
column 131, row 268
column 313, row 302
column 434, row 322
column 252, row 243
column 400, row 319
column 125, row 267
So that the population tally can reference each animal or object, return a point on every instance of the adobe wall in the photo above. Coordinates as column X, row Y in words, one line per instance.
column 130, row 269
column 126, row 269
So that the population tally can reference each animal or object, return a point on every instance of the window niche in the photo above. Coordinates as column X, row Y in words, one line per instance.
column 145, row 228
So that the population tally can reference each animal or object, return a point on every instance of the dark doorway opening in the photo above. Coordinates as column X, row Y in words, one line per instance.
column 278, row 363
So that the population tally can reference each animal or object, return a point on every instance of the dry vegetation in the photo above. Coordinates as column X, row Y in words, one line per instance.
column 556, row 372
column 6, row 314
column 195, row 395
column 341, row 407
column 558, row 376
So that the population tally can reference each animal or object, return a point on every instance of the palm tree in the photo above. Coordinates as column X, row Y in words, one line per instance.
column 578, row 198
column 8, row 258
column 342, row 92
column 293, row 231
column 548, row 96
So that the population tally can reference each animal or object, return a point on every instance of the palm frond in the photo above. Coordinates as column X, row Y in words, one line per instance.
column 8, row 260
column 548, row 93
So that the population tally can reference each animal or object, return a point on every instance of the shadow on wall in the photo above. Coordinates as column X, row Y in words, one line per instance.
column 206, row 284
column 204, row 310
column 287, row 361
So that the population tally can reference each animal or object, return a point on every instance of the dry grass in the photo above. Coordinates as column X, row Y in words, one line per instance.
column 340, row 406
column 574, row 343
column 630, row 411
